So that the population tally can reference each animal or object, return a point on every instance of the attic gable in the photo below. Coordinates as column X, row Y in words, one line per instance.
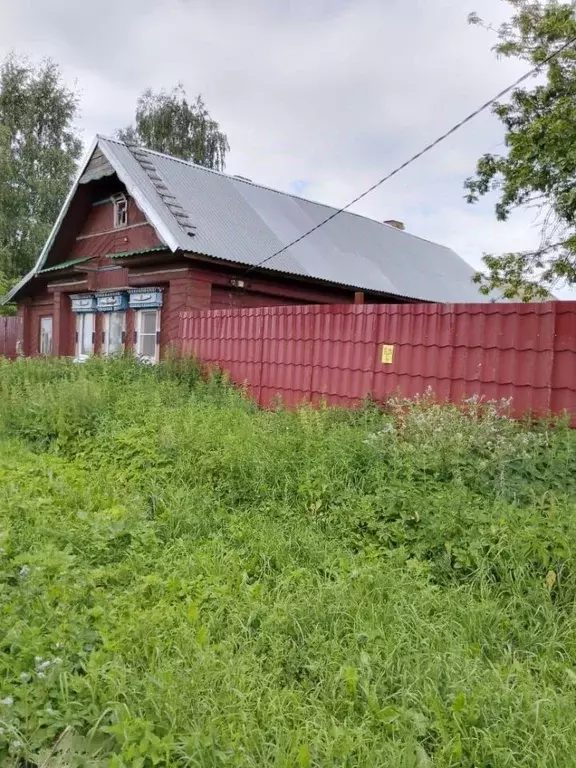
column 101, row 217
column 97, row 167
column 100, row 162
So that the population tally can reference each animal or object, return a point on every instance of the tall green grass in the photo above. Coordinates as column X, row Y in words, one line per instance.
column 188, row 581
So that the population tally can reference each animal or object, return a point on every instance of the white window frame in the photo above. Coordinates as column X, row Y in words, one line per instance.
column 120, row 211
column 81, row 320
column 139, row 335
column 42, row 350
column 106, row 331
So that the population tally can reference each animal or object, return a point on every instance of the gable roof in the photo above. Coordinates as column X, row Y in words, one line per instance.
column 195, row 209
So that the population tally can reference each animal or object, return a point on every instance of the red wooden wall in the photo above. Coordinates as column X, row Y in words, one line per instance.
column 526, row 352
column 9, row 332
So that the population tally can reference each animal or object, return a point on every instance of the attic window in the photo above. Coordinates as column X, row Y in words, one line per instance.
column 120, row 211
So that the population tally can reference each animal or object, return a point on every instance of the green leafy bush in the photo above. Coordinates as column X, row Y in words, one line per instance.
column 188, row 581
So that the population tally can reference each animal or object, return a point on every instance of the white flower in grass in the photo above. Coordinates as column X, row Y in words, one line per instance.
column 24, row 571
column 16, row 744
column 7, row 701
column 24, row 676
column 373, row 436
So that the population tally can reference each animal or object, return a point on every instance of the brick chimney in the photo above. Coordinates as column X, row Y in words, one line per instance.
column 395, row 224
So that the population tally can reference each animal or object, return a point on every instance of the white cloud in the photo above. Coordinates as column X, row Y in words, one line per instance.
column 327, row 95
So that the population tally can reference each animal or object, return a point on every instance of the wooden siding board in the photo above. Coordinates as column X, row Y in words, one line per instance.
column 101, row 218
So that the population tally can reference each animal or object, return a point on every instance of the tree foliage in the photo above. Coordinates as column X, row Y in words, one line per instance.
column 5, row 285
column 38, row 152
column 539, row 168
column 167, row 122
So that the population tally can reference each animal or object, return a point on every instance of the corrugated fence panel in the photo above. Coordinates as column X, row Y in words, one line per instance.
column 9, row 331
column 526, row 352
column 287, row 354
column 505, row 351
column 564, row 371
column 343, row 353
column 231, row 339
column 420, row 336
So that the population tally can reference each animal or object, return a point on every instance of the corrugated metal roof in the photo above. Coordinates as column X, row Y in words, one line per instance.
column 240, row 221
column 65, row 264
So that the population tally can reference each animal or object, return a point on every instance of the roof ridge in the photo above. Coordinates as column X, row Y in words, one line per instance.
column 272, row 189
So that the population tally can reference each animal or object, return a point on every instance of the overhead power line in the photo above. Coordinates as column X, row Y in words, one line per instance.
column 420, row 154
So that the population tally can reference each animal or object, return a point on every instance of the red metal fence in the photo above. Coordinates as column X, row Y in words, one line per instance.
column 526, row 352
column 9, row 327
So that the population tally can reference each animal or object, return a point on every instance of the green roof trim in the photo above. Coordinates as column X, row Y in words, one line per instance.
column 65, row 264
column 139, row 252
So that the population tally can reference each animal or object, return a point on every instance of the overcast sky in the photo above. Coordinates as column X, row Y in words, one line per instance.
column 318, row 97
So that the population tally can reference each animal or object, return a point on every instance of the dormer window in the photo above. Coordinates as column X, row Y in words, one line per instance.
column 120, row 211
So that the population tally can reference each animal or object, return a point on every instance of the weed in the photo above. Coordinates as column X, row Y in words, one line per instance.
column 188, row 581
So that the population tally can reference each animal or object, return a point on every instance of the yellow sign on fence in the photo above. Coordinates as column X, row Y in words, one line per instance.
column 387, row 354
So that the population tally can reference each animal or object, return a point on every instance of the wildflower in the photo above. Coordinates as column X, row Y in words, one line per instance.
column 7, row 701
column 24, row 571
column 16, row 744
column 24, row 676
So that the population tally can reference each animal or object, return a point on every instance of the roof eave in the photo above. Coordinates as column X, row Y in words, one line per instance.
column 259, row 270
column 12, row 293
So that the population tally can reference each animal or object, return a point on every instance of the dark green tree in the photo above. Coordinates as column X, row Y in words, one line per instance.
column 38, row 152
column 167, row 122
column 538, row 170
